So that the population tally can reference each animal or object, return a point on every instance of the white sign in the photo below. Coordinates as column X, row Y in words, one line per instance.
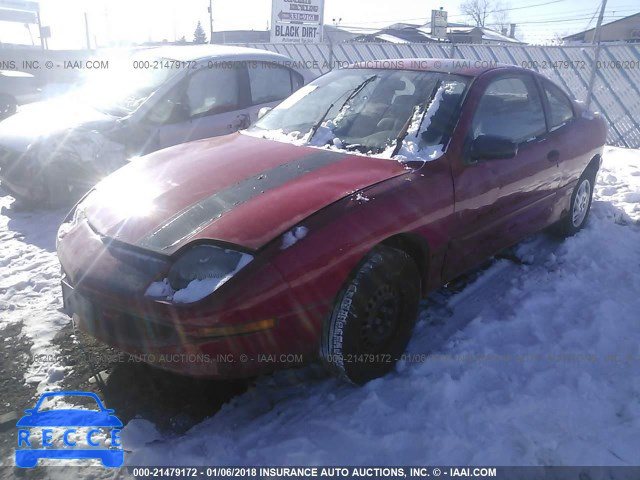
column 297, row 21
column 439, row 23
column 22, row 5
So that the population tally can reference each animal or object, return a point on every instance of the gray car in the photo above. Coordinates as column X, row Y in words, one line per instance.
column 51, row 152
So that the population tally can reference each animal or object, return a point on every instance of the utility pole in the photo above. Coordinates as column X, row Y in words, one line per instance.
column 595, row 41
column 210, row 21
column 42, row 40
column 86, row 30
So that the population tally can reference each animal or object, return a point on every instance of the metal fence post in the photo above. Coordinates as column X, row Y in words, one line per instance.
column 596, row 56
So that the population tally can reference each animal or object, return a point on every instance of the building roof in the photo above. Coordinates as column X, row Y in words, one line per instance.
column 241, row 36
column 185, row 53
column 580, row 35
column 410, row 33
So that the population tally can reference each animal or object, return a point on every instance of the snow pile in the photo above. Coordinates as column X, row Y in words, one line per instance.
column 295, row 137
column 411, row 148
column 30, row 287
column 196, row 289
column 529, row 365
column 361, row 198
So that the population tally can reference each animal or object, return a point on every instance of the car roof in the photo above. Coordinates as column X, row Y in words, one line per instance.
column 459, row 66
column 185, row 53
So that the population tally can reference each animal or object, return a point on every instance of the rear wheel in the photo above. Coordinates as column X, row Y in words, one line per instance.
column 580, row 205
column 373, row 317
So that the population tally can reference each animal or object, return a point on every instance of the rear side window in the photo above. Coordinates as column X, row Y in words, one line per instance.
column 211, row 91
column 560, row 108
column 511, row 108
column 271, row 83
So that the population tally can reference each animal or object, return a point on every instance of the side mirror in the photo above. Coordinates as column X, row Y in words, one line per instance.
column 263, row 111
column 488, row 147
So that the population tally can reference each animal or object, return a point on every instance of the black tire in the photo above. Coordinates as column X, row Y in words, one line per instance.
column 373, row 317
column 51, row 190
column 579, row 207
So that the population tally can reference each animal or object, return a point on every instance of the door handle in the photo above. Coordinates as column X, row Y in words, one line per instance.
column 553, row 156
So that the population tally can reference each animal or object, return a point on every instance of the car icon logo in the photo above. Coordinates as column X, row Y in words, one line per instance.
column 36, row 430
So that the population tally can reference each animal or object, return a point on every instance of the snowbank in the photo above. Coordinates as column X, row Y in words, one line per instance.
column 530, row 365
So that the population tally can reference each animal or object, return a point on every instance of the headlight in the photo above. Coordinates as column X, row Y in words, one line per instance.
column 74, row 218
column 198, row 273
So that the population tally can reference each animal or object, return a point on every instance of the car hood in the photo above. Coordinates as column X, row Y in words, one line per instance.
column 42, row 120
column 237, row 189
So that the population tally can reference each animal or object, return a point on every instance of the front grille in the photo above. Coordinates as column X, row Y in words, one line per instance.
column 137, row 331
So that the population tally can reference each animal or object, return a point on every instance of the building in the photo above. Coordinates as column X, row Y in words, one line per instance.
column 241, row 36
column 331, row 34
column 396, row 33
column 456, row 33
column 626, row 29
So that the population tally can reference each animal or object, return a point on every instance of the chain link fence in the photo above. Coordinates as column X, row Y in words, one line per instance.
column 615, row 90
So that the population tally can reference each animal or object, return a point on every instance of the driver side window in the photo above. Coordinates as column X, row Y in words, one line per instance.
column 510, row 108
column 207, row 92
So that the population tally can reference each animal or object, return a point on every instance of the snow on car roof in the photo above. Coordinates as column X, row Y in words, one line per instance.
column 198, row 52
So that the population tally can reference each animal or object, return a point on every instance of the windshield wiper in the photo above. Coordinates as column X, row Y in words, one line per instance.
column 405, row 129
column 319, row 123
column 358, row 89
column 353, row 94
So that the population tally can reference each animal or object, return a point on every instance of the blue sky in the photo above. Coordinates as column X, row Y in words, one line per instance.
column 142, row 20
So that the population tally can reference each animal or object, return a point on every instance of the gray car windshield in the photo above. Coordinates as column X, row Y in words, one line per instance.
column 120, row 91
column 368, row 110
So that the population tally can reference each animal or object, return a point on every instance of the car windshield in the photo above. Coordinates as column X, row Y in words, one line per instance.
column 378, row 112
column 52, row 402
column 120, row 90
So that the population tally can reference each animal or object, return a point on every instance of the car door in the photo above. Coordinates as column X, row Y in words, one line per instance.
column 561, row 138
column 270, row 83
column 209, row 103
column 499, row 201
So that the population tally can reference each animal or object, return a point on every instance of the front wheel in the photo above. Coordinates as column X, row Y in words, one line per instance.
column 373, row 317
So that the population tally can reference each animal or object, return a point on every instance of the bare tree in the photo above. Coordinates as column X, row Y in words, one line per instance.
column 485, row 13
column 558, row 38
column 477, row 10
column 500, row 18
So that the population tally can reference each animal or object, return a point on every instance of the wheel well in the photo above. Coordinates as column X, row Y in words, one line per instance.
column 416, row 248
column 594, row 165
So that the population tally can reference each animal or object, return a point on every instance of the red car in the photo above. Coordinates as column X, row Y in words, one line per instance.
column 317, row 231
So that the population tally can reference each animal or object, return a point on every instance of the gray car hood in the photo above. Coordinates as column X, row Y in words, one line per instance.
column 42, row 120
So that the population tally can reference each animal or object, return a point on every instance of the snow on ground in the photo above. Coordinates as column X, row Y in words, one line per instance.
column 532, row 365
column 529, row 365
column 30, row 286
